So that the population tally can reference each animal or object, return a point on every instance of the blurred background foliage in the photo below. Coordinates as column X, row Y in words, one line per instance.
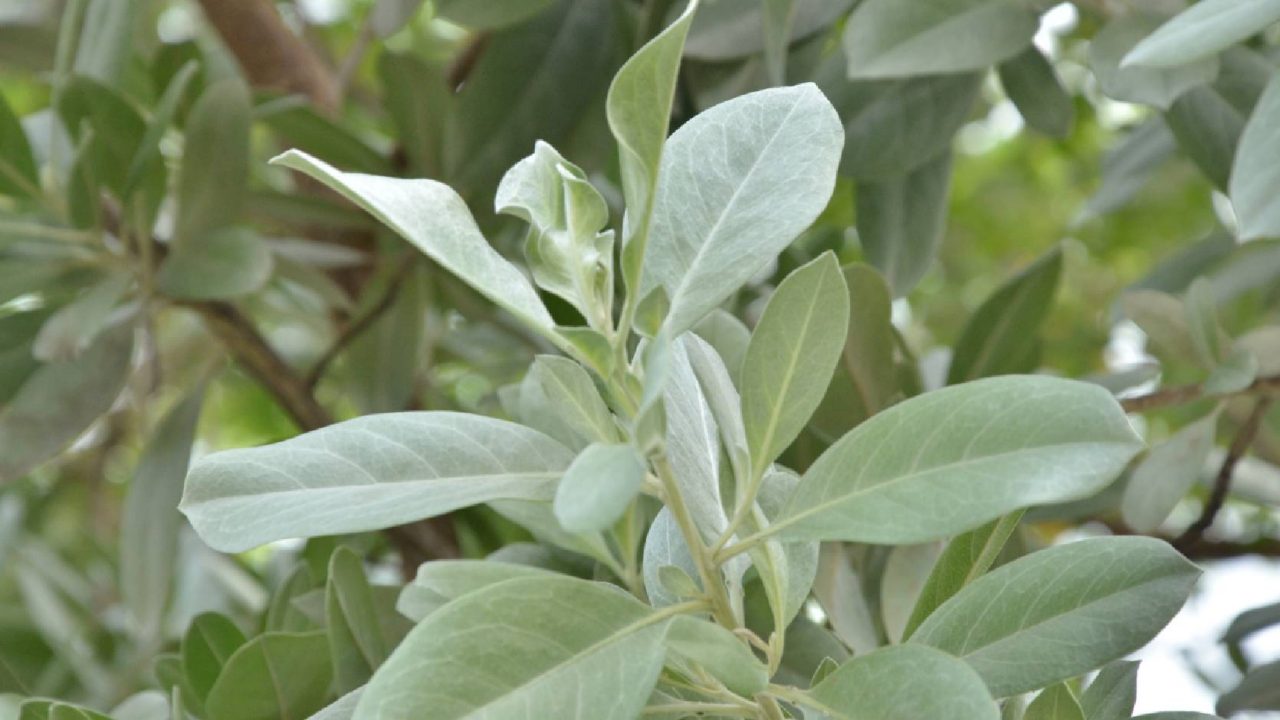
column 187, row 273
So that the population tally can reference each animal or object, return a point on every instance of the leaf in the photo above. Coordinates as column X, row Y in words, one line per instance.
column 72, row 329
column 36, row 709
column 1034, row 88
column 561, row 400
column 1255, row 182
column 225, row 263
column 598, row 487
column 106, row 41
column 901, row 221
column 787, row 569
column 885, row 685
column 534, row 81
column 730, row 338
column 1203, row 30
column 693, row 444
column 737, row 184
column 779, row 15
column 545, row 647
column 420, row 105
column 793, row 350
column 999, row 444
column 664, row 546
column 866, row 379
column 299, row 123
column 150, row 522
column 1128, row 167
column 722, row 398
column 906, row 572
column 357, row 645
column 887, row 38
column 639, row 109
column 1166, row 474
column 210, row 641
column 1163, row 319
column 440, row 581
column 18, row 175
column 729, row 29
column 166, row 109
column 367, row 473
column 1150, row 86
column 59, row 400
column 433, row 218
column 966, row 558
column 1259, row 690
column 215, row 163
column 1111, row 695
column 1055, row 703
column 344, row 708
column 567, row 248
column 721, row 653
column 1001, row 336
column 894, row 126
column 275, row 676
column 490, row 15
column 1063, row 611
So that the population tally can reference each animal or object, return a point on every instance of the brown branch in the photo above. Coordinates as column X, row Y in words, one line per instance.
column 1207, row 549
column 270, row 54
column 360, row 324
column 1222, row 483
column 465, row 61
column 258, row 358
column 1189, row 393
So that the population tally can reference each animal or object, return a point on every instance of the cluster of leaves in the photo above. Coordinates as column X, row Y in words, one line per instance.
column 664, row 510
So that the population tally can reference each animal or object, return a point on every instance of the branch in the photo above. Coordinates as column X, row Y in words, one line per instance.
column 270, row 54
column 258, row 358
column 1190, row 393
column 360, row 324
column 1222, row 483
column 1208, row 549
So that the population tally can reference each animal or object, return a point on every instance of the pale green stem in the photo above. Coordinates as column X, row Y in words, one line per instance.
column 707, row 571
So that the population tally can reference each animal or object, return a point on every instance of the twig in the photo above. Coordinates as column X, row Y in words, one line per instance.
column 1189, row 393
column 460, row 69
column 360, row 324
column 1207, row 549
column 1222, row 483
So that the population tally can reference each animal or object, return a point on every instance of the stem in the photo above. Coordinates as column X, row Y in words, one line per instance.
column 708, row 571
column 745, row 502
column 1190, row 393
column 1222, row 483
column 362, row 323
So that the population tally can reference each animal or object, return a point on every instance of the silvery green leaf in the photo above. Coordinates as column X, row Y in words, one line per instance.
column 1255, row 180
column 1235, row 373
column 567, row 251
column 729, row 29
column 1062, row 611
column 150, row 522
column 1003, row 334
column 598, row 487
column 223, row 263
column 1055, row 703
column 440, row 581
column 693, row 444
column 358, row 642
column 639, row 109
column 901, row 221
column 525, row 649
column 1150, row 86
column 1208, row 120
column 367, row 473
column 999, row 444
column 273, row 675
column 887, row 38
column 787, row 569
column 721, row 653
column 839, row 591
column 895, row 126
column 793, row 351
column 73, row 328
column 664, row 546
column 722, row 397
column 1034, row 88
column 59, row 400
column 213, row 179
column 1112, row 693
column 1128, row 167
column 729, row 336
column 906, row 573
column 344, row 708
column 1264, row 344
column 967, row 557
column 866, row 378
column 1162, row 318
column 736, row 185
column 539, row 518
column 1259, row 690
column 210, row 641
column 779, row 17
column 874, row 687
column 559, row 398
column 678, row 583
column 1207, row 336
column 431, row 216
column 1203, row 30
